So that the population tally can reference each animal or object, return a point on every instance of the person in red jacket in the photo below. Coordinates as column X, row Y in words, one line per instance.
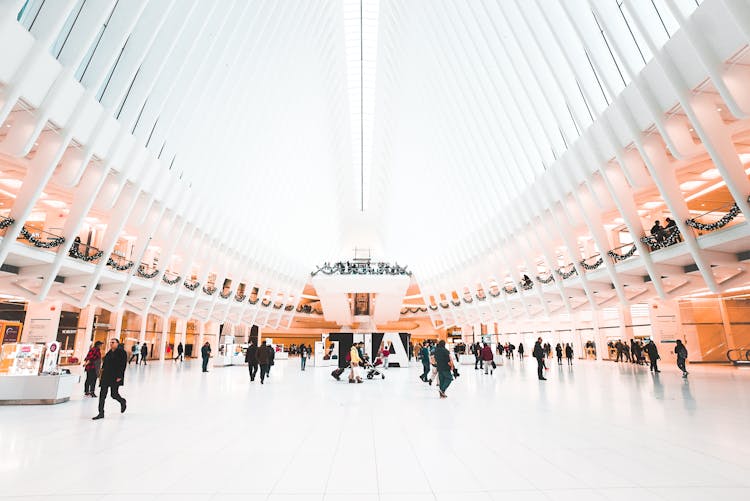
column 91, row 364
column 487, row 358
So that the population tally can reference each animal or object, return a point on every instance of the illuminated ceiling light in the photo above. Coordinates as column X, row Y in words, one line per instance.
column 361, row 31
column 691, row 185
column 12, row 183
column 652, row 205
column 91, row 220
column 57, row 204
column 744, row 158
column 619, row 220
column 711, row 173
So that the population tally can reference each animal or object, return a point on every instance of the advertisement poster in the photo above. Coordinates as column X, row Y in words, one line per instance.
column 11, row 333
column 51, row 356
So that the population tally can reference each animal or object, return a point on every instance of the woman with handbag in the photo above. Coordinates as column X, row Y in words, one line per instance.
column 92, row 364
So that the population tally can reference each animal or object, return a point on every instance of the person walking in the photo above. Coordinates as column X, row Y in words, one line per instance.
column 113, row 376
column 385, row 352
column 618, row 348
column 251, row 357
column 303, row 356
column 476, row 349
column 354, row 360
column 271, row 357
column 538, row 353
column 487, row 359
column 653, row 355
column 559, row 353
column 92, row 364
column 444, row 367
column 424, row 355
column 637, row 350
column 205, row 354
column 520, row 351
column 264, row 360
column 180, row 350
column 144, row 353
column 626, row 351
column 135, row 351
column 569, row 353
column 682, row 354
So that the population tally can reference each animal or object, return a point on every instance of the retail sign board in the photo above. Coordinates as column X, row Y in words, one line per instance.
column 38, row 330
column 51, row 356
column 11, row 333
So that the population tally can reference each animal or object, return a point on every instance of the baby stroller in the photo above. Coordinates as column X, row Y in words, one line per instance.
column 373, row 369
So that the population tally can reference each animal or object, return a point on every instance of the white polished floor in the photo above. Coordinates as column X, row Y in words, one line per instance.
column 598, row 431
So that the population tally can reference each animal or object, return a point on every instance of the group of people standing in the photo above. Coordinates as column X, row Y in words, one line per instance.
column 542, row 351
column 568, row 349
column 662, row 233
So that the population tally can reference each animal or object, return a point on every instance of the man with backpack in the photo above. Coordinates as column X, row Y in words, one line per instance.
column 538, row 353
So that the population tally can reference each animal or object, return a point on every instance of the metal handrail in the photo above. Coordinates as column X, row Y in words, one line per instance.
column 716, row 209
column 32, row 235
column 6, row 222
column 629, row 244
column 740, row 352
column 89, row 252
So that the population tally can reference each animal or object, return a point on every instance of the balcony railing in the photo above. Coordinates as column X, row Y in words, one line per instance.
column 592, row 262
column 623, row 252
column 5, row 222
column 119, row 262
column 84, row 252
column 719, row 217
column 170, row 278
column 665, row 238
column 41, row 239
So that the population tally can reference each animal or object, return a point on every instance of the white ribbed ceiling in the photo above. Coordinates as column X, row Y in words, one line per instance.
column 286, row 118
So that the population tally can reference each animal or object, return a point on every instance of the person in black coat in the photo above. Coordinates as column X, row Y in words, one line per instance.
column 653, row 355
column 538, row 353
column 251, row 357
column 271, row 357
column 569, row 353
column 113, row 376
column 180, row 351
column 144, row 353
column 205, row 354
column 682, row 355
column 264, row 359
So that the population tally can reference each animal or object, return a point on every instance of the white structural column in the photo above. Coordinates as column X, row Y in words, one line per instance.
column 143, row 326
column 201, row 333
column 165, row 325
column 118, row 323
